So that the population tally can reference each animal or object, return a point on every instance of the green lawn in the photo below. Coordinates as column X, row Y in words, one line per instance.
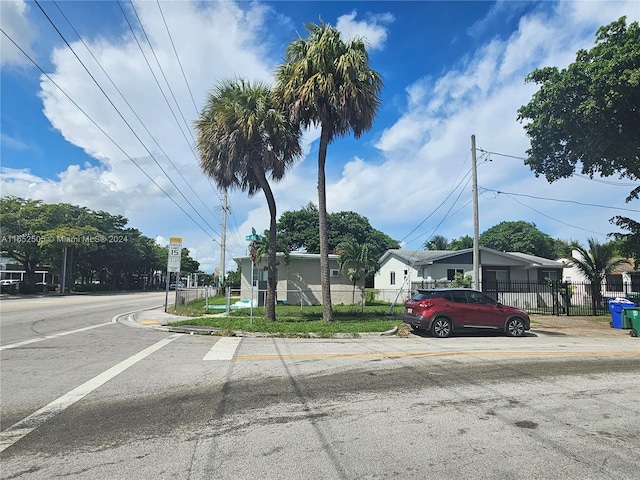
column 296, row 320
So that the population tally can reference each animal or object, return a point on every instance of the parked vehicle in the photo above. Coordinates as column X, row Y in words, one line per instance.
column 442, row 311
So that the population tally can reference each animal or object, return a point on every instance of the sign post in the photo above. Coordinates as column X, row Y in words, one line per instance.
column 173, row 265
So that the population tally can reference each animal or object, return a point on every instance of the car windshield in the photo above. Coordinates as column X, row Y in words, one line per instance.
column 426, row 295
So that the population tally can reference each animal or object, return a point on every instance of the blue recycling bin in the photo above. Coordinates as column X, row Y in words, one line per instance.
column 616, row 307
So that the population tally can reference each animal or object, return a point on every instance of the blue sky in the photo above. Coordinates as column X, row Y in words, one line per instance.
column 451, row 69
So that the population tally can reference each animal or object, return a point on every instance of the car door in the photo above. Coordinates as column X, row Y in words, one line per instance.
column 486, row 310
column 461, row 311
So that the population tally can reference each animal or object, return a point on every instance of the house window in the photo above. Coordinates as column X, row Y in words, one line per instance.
column 393, row 278
column 261, row 275
column 451, row 273
column 614, row 282
column 550, row 274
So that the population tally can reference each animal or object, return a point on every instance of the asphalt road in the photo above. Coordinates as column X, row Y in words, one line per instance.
column 86, row 395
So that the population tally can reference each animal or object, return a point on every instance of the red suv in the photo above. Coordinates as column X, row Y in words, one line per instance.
column 443, row 310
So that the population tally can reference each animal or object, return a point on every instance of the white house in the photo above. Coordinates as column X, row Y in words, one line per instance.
column 624, row 280
column 404, row 270
column 298, row 280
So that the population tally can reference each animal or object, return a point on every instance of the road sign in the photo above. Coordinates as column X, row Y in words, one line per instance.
column 175, row 251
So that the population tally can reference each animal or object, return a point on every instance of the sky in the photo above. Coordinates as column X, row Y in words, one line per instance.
column 98, row 105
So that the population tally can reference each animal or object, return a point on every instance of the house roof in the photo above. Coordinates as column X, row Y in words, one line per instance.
column 420, row 257
column 292, row 255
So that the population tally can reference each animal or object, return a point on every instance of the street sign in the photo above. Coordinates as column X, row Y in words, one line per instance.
column 175, row 250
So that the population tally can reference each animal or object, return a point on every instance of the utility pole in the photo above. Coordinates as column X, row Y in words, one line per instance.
column 476, row 245
column 223, row 237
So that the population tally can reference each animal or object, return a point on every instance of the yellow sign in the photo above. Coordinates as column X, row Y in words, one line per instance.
column 175, row 239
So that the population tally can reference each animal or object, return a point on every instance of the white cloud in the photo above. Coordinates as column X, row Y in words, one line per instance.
column 427, row 149
column 14, row 22
column 372, row 31
column 424, row 155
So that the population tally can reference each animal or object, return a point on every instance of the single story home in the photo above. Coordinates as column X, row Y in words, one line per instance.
column 623, row 281
column 297, row 278
column 402, row 271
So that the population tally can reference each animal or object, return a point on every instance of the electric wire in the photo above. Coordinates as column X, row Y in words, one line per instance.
column 586, row 177
column 554, row 219
column 104, row 133
column 180, row 127
column 121, row 116
column 132, row 109
column 562, row 201
column 177, row 56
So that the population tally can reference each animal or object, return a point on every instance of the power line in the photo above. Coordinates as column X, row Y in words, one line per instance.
column 559, row 200
column 586, row 177
column 177, row 56
column 103, row 132
column 132, row 110
column 120, row 114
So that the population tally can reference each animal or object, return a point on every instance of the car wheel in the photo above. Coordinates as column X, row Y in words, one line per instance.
column 441, row 327
column 515, row 327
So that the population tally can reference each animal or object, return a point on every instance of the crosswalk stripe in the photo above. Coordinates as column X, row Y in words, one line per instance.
column 223, row 349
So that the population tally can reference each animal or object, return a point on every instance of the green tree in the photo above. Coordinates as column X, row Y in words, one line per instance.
column 461, row 243
column 22, row 221
column 595, row 263
column 328, row 82
column 590, row 111
column 355, row 260
column 299, row 230
column 628, row 244
column 242, row 137
column 518, row 236
column 437, row 242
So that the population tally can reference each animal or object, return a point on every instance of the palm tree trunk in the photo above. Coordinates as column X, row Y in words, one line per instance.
column 270, row 301
column 327, row 314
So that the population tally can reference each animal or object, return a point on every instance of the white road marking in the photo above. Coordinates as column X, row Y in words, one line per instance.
column 25, row 426
column 53, row 335
column 224, row 349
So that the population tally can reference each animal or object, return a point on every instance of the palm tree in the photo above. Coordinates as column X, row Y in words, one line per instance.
column 595, row 264
column 437, row 242
column 355, row 258
column 328, row 82
column 242, row 137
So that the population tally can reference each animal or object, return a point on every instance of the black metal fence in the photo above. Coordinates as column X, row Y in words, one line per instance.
column 546, row 298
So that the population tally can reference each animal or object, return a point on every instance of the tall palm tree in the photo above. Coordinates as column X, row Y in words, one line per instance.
column 595, row 264
column 328, row 82
column 242, row 137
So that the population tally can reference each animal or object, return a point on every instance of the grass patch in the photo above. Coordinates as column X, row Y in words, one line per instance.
column 296, row 320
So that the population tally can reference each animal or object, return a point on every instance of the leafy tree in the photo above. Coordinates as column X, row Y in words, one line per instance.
column 628, row 244
column 21, row 221
column 356, row 261
column 437, row 242
column 595, row 264
column 299, row 230
column 590, row 111
column 242, row 137
column 518, row 236
column 461, row 243
column 325, row 81
column 234, row 278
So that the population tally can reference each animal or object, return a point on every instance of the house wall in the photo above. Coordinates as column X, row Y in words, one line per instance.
column 382, row 279
column 299, row 281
